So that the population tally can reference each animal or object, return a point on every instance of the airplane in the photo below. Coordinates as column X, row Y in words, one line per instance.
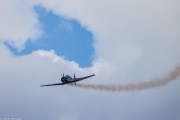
column 68, row 79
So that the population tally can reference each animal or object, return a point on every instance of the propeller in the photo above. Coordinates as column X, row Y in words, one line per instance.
column 63, row 79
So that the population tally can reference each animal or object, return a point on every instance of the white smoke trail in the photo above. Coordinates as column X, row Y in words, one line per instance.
column 173, row 75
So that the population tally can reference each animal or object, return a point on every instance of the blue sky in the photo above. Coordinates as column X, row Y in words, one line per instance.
column 66, row 37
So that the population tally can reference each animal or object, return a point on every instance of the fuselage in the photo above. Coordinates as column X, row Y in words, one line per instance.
column 67, row 79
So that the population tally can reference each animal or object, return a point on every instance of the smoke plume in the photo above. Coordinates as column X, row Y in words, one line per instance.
column 157, row 82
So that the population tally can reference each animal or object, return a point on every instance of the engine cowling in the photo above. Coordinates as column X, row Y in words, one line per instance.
column 63, row 79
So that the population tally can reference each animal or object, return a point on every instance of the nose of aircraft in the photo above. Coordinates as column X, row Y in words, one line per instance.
column 63, row 79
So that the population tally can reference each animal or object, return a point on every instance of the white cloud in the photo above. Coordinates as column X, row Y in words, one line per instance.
column 135, row 40
column 19, row 23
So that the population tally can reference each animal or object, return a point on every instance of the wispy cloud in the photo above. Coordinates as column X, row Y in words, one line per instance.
column 66, row 25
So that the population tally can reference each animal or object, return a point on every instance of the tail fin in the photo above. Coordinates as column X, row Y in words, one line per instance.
column 74, row 76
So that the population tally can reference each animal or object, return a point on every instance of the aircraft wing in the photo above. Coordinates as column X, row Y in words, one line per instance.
column 78, row 79
column 53, row 84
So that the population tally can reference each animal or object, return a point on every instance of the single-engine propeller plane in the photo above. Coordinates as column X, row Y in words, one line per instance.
column 68, row 79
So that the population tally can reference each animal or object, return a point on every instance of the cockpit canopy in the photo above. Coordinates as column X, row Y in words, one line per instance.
column 68, row 77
